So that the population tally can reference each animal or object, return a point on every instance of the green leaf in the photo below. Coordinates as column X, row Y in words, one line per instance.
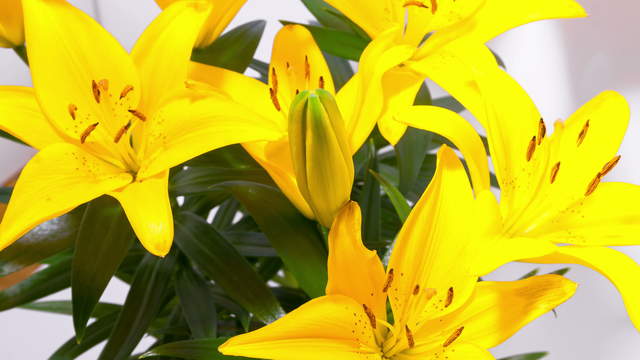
column 5, row 194
column 95, row 333
column 235, row 49
column 336, row 42
column 295, row 238
column 197, row 305
column 220, row 261
column 41, row 243
column 369, row 200
column 262, row 68
column 250, row 244
column 341, row 70
column 144, row 300
column 531, row 273
column 327, row 15
column 10, row 137
column 400, row 204
column 201, row 349
column 65, row 307
column 225, row 214
column 529, row 356
column 410, row 154
column 449, row 102
column 561, row 272
column 104, row 239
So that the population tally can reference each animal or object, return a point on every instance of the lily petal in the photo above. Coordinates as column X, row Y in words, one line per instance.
column 328, row 327
column 374, row 18
column 354, row 270
column 55, row 181
column 146, row 203
column 11, row 23
column 457, row 351
column 619, row 268
column 21, row 116
column 68, row 51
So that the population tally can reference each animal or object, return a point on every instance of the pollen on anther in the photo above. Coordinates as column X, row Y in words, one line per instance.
column 96, row 91
column 388, row 282
column 127, row 89
column 593, row 185
column 610, row 165
column 123, row 130
column 542, row 131
column 321, row 82
column 583, row 133
column 138, row 114
column 370, row 315
column 72, row 111
column 307, row 68
column 85, row 134
column 410, row 339
column 416, row 289
column 531, row 148
column 274, row 99
column 456, row 334
column 274, row 79
column 104, row 85
column 554, row 172
column 434, row 6
column 415, row 3
column 449, row 298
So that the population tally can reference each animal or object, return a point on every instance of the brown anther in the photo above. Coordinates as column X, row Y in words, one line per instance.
column 370, row 315
column 307, row 68
column 104, row 85
column 449, row 298
column 96, row 91
column 410, row 339
column 123, row 130
column 288, row 65
column 610, row 165
column 274, row 79
column 531, row 148
column 85, row 134
column 72, row 111
column 387, row 284
column 434, row 6
column 415, row 3
column 554, row 172
column 583, row 133
column 456, row 334
column 593, row 185
column 274, row 99
column 542, row 131
column 297, row 91
column 127, row 89
column 321, row 82
column 138, row 114
column 416, row 290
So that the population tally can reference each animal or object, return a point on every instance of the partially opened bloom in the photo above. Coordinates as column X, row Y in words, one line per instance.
column 290, row 74
column 11, row 24
column 429, row 39
column 440, row 311
column 220, row 15
column 107, row 122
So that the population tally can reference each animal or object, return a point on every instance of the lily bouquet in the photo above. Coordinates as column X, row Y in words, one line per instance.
column 308, row 210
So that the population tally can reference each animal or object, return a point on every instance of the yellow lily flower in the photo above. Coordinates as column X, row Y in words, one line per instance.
column 430, row 31
column 11, row 24
column 108, row 122
column 291, row 73
column 222, row 12
column 440, row 311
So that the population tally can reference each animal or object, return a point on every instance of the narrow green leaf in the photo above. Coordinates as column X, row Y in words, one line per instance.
column 449, row 102
column 103, row 241
column 529, row 356
column 65, row 307
column 235, row 49
column 5, row 194
column 250, row 244
column 144, row 300
column 400, row 204
column 197, row 305
column 10, row 137
column 200, row 349
column 21, row 51
column 220, row 261
column 95, row 333
column 295, row 238
column 561, row 272
column 336, row 42
column 341, row 70
column 369, row 200
column 531, row 273
column 226, row 213
column 327, row 15
column 410, row 154
column 262, row 68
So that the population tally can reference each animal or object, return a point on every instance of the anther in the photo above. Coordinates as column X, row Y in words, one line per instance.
column 456, row 334
column 583, row 133
column 104, row 85
column 274, row 79
column 410, row 339
column 610, row 165
column 274, row 99
column 434, row 6
column 321, row 82
column 72, row 111
column 449, row 298
column 554, row 171
column 370, row 315
column 123, row 130
column 593, row 185
column 96, row 91
column 415, row 3
column 416, row 290
column 387, row 284
column 307, row 68
column 531, row 148
column 542, row 131
column 87, row 132
column 127, row 89
column 297, row 91
column 138, row 114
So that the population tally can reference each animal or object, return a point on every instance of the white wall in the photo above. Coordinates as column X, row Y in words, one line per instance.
column 561, row 63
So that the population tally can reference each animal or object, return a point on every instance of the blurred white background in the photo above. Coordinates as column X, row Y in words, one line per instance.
column 561, row 63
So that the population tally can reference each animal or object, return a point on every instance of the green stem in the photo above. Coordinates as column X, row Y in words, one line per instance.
column 21, row 51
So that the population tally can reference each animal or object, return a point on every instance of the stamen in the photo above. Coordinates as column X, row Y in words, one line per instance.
column 121, row 132
column 87, row 132
column 274, row 79
column 274, row 99
column 531, row 149
column 593, row 185
column 449, row 299
column 96, row 91
column 138, row 114
column 127, row 89
column 610, row 165
column 410, row 339
column 456, row 334
column 416, row 290
column 370, row 315
column 321, row 82
column 583, row 133
column 415, row 3
column 297, row 91
column 104, row 85
column 554, row 171
column 434, row 6
column 72, row 111
column 307, row 68
column 389, row 281
column 430, row 293
column 542, row 131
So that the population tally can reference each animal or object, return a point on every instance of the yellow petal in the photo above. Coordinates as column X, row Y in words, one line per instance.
column 458, row 130
column 163, row 53
column 56, row 180
column 374, row 18
column 434, row 350
column 303, row 69
column 11, row 23
column 424, row 257
column 197, row 123
column 222, row 13
column 619, row 268
column 21, row 116
column 146, row 203
column 354, row 270
column 329, row 327
column 68, row 51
